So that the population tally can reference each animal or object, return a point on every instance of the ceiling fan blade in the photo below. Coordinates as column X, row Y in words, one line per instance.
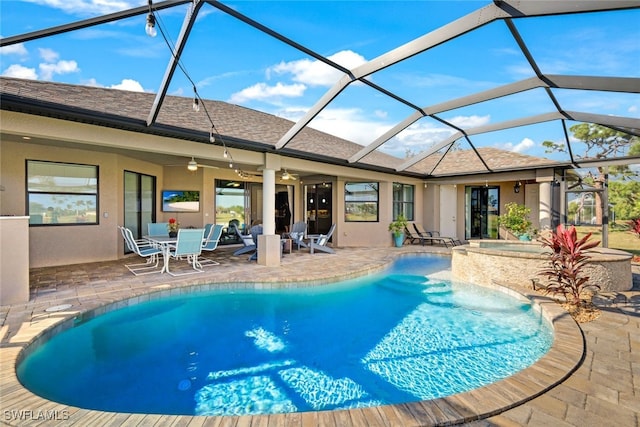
column 207, row 166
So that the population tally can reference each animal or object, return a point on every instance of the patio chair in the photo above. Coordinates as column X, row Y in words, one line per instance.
column 319, row 243
column 434, row 236
column 207, row 231
column 297, row 234
column 446, row 240
column 210, row 243
column 247, row 241
column 189, row 245
column 144, row 250
column 157, row 228
column 412, row 235
column 256, row 230
column 420, row 230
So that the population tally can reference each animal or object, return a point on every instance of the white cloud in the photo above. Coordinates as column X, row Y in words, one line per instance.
column 14, row 49
column 521, row 147
column 48, row 55
column 92, row 82
column 264, row 92
column 130, row 85
column 90, row 7
column 350, row 124
column 469, row 122
column 416, row 138
column 316, row 73
column 20, row 72
column 381, row 114
column 61, row 67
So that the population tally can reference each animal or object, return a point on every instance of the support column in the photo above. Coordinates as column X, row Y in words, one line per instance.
column 269, row 242
column 544, row 210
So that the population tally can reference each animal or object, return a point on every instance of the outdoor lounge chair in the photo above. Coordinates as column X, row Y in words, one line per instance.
column 256, row 230
column 144, row 250
column 247, row 241
column 446, row 240
column 297, row 233
column 319, row 243
column 189, row 245
column 212, row 239
column 434, row 236
column 412, row 235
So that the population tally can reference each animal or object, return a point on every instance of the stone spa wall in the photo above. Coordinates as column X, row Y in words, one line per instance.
column 486, row 262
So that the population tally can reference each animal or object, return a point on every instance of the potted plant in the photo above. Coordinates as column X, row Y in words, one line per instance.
column 173, row 227
column 397, row 229
column 516, row 220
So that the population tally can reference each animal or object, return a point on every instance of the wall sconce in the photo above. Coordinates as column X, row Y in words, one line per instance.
column 516, row 188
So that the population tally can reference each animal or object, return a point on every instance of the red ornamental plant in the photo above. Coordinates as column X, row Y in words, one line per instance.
column 566, row 263
column 634, row 226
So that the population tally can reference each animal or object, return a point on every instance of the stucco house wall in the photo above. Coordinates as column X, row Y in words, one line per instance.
column 61, row 245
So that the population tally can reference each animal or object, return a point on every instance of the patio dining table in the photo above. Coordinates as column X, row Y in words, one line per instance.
column 164, row 242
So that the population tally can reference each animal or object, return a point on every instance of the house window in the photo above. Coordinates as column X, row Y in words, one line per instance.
column 403, row 200
column 61, row 193
column 361, row 201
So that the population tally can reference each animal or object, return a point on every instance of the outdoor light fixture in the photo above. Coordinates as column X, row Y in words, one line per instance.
column 196, row 105
column 150, row 28
column 516, row 188
column 285, row 175
column 212, row 139
column 192, row 165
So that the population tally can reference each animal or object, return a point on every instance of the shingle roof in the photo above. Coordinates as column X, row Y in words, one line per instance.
column 242, row 125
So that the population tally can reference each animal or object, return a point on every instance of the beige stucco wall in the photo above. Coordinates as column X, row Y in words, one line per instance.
column 14, row 259
column 63, row 244
column 79, row 143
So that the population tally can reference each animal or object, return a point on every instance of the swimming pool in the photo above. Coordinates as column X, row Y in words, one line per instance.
column 380, row 339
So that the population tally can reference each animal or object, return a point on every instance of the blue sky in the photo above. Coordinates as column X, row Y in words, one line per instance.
column 230, row 61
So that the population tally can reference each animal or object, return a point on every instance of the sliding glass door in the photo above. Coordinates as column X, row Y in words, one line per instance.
column 481, row 212
column 139, row 202
column 240, row 203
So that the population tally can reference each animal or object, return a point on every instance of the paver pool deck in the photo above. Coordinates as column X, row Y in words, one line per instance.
column 591, row 376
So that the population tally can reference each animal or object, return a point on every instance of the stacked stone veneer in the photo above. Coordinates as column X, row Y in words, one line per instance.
column 608, row 268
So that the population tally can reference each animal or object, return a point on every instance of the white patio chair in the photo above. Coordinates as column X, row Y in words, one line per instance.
column 210, row 244
column 188, row 245
column 144, row 250
column 158, row 228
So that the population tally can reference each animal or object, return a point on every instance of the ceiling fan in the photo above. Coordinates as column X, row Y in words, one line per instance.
column 288, row 176
column 193, row 166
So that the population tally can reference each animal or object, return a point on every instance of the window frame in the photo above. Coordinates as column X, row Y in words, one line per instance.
column 91, row 195
column 407, row 208
column 361, row 201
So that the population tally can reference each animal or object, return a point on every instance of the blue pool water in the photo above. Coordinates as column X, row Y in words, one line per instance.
column 403, row 335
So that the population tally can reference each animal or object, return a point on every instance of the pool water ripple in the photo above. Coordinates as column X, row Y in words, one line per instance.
column 407, row 334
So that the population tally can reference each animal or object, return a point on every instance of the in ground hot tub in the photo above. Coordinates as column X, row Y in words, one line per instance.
column 483, row 261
